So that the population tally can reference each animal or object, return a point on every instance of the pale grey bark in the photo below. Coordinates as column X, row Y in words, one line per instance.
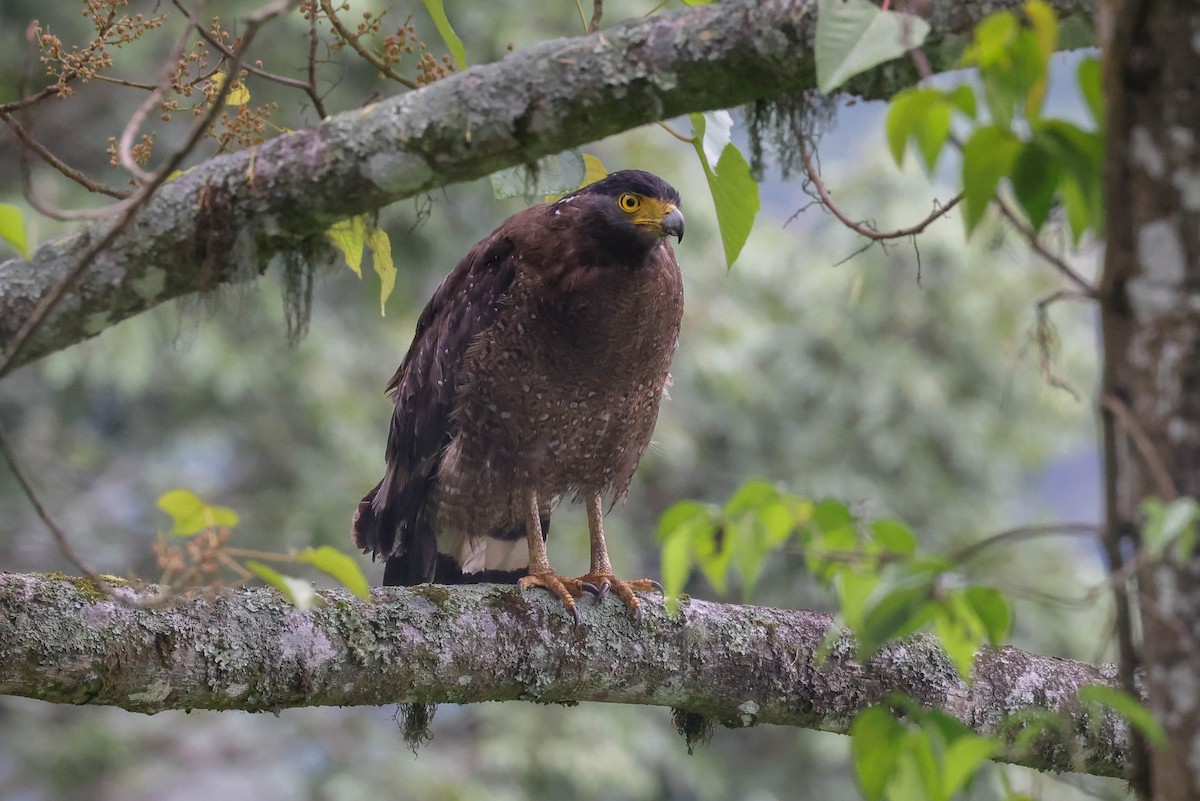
column 223, row 221
column 247, row 649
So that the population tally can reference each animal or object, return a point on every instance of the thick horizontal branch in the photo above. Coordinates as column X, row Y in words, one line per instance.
column 247, row 649
column 222, row 221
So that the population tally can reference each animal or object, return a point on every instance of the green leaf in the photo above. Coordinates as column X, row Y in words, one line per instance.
column 299, row 593
column 992, row 609
column 991, row 40
column 1091, row 87
column 675, row 566
column 1127, row 707
column 453, row 43
column 1170, row 524
column 855, row 35
column 876, row 739
column 350, row 237
column 853, row 590
column 986, row 157
column 381, row 258
column 960, row 631
column 190, row 515
column 962, row 97
column 339, row 566
column 896, row 613
column 923, row 115
column 1081, row 156
column 12, row 229
column 894, row 537
column 1035, row 178
column 963, row 759
column 734, row 192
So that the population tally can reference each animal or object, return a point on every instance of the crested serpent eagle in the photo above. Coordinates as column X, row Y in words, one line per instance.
column 535, row 374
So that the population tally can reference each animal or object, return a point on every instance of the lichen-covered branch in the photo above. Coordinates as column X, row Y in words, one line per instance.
column 247, row 649
column 222, row 221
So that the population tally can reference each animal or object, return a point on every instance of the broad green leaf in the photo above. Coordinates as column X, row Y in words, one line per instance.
column 962, row 97
column 992, row 609
column 299, row 593
column 681, row 515
column 12, row 229
column 963, row 759
column 1035, row 178
column 960, row 631
column 350, row 237
column 337, row 565
column 1090, row 86
column 1081, row 155
column 553, row 175
column 675, row 566
column 734, row 192
column 438, row 13
column 190, row 515
column 1044, row 24
column 381, row 257
column 875, row 741
column 931, row 132
column 922, row 114
column 991, row 40
column 1127, row 707
column 894, row 537
column 752, row 496
column 897, row 613
column 853, row 589
column 986, row 157
column 1170, row 524
column 855, row 35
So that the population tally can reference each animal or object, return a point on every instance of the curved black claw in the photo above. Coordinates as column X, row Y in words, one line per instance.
column 657, row 586
column 602, row 594
column 597, row 593
column 575, row 614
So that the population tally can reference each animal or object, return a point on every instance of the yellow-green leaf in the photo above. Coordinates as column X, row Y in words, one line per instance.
column 381, row 257
column 350, row 237
column 190, row 515
column 238, row 94
column 298, row 592
column 337, row 565
column 12, row 228
column 593, row 170
column 453, row 43
column 986, row 157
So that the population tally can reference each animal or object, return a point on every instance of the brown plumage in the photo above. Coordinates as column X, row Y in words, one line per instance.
column 535, row 374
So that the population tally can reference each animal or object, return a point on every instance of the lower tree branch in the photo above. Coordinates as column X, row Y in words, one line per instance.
column 63, row 641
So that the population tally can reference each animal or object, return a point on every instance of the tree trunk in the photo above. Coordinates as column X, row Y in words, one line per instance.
column 1151, row 385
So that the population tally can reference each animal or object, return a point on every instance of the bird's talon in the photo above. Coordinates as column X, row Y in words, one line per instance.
column 657, row 586
column 596, row 592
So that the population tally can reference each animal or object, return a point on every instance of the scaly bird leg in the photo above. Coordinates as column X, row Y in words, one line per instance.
column 600, row 575
column 540, row 572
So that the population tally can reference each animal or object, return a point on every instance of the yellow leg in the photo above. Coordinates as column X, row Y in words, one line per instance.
column 540, row 573
column 600, row 576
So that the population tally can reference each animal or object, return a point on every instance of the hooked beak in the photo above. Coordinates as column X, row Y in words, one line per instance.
column 672, row 224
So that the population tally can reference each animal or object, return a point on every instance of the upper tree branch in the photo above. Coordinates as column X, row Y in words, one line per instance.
column 62, row 641
column 222, row 221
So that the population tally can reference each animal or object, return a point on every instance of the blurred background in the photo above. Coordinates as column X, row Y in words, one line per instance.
column 905, row 380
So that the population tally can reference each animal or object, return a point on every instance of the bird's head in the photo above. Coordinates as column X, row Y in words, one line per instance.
column 635, row 209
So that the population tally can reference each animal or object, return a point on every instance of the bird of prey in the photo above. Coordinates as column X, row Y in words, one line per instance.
column 535, row 374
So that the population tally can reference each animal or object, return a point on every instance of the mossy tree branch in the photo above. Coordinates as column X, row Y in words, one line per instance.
column 223, row 221
column 247, row 649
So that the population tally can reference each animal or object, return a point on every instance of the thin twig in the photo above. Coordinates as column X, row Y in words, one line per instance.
column 862, row 229
column 352, row 39
column 1145, row 448
column 30, row 143
column 133, row 204
column 1023, row 533
column 691, row 140
column 1036, row 245
column 597, row 13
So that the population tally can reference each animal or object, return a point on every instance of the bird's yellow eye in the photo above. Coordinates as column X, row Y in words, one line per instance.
column 629, row 202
